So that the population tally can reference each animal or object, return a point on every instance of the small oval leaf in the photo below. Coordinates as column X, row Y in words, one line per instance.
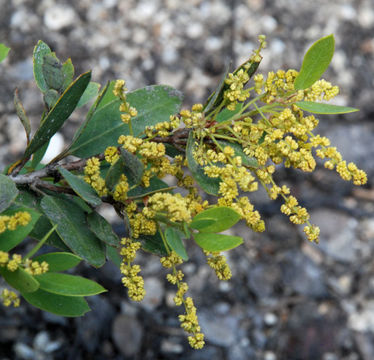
column 217, row 242
column 315, row 63
column 20, row 280
column 71, row 306
column 59, row 261
column 102, row 229
column 320, row 108
column 224, row 218
column 68, row 285
column 41, row 49
column 173, row 238
column 81, row 188
column 3, row 51
column 8, row 192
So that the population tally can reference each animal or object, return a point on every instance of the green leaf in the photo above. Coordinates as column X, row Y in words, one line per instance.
column 20, row 280
column 134, row 168
column 200, row 224
column 217, row 242
column 68, row 73
column 38, row 155
column 315, row 63
column 3, row 52
column 224, row 218
column 209, row 185
column 60, row 112
column 173, row 238
column 91, row 91
column 81, row 188
column 320, row 108
column 246, row 160
column 52, row 71
column 102, row 229
column 21, row 113
column 41, row 49
column 155, row 185
column 71, row 306
column 153, row 103
column 114, row 173
column 8, row 192
column 50, row 98
column 113, row 255
column 153, row 244
column 11, row 238
column 68, row 285
column 59, row 261
column 73, row 229
column 227, row 114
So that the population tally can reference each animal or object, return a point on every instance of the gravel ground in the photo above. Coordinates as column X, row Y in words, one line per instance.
column 288, row 299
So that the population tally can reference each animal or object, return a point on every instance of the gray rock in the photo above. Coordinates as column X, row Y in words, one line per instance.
column 263, row 278
column 58, row 17
column 154, row 293
column 302, row 275
column 127, row 334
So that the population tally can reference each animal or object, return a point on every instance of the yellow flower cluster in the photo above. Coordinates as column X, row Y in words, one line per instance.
column 173, row 205
column 10, row 222
column 128, row 112
column 111, row 154
column 163, row 128
column 92, row 176
column 193, row 118
column 236, row 91
column 14, row 262
column 218, row 263
column 189, row 321
column 9, row 298
column 131, row 279
column 130, row 143
column 121, row 189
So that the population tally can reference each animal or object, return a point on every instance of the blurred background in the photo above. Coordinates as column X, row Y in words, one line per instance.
column 288, row 299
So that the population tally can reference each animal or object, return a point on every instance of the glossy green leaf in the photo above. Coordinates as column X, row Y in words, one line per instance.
column 247, row 161
column 20, row 280
column 102, row 229
column 70, row 306
column 217, row 242
column 59, row 261
column 8, row 192
column 59, row 114
column 315, row 62
column 209, row 185
column 200, row 224
column 81, row 188
column 320, row 108
column 21, row 113
column 91, row 91
column 41, row 49
column 3, row 52
column 113, row 255
column 153, row 244
column 68, row 285
column 153, row 103
column 174, row 239
column 73, row 229
column 38, row 155
column 11, row 238
column 52, row 71
column 68, row 73
column 155, row 185
column 227, row 114
column 223, row 216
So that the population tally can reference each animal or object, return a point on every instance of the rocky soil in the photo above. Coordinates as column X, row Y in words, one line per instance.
column 288, row 299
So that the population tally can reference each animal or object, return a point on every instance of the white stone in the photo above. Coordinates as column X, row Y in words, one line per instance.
column 270, row 319
column 55, row 147
column 269, row 23
column 154, row 293
column 58, row 17
column 195, row 30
